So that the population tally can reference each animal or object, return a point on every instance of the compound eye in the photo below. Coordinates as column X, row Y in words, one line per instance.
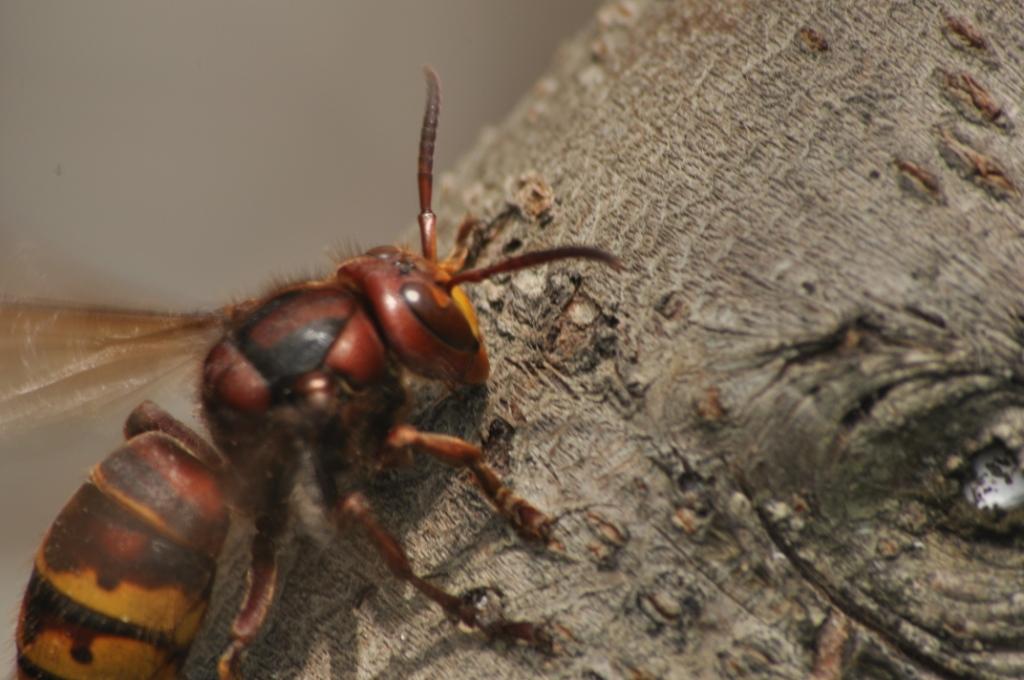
column 441, row 315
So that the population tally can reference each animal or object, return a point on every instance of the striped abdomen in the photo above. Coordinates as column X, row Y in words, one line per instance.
column 124, row 574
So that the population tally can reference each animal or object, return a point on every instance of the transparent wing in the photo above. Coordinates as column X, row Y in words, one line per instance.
column 60, row 360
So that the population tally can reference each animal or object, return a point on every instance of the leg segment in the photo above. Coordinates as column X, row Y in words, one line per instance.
column 355, row 508
column 528, row 521
column 261, row 584
column 456, row 260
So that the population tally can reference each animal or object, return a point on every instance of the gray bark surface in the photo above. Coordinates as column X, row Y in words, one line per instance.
column 755, row 438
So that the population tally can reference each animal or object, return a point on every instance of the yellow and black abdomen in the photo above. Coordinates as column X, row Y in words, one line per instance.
column 123, row 578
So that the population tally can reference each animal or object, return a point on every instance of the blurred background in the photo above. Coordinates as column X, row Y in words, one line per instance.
column 176, row 155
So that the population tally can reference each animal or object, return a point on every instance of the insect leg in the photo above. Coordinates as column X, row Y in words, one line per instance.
column 148, row 417
column 261, row 584
column 456, row 260
column 355, row 508
column 527, row 520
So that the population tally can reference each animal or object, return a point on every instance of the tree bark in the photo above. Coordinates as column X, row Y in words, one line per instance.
column 756, row 438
